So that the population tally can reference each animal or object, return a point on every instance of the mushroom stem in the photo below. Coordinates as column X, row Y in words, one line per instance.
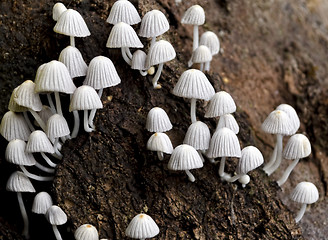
column 38, row 119
column 157, row 75
column 29, row 124
column 190, row 63
column 76, row 124
column 153, row 41
column 56, row 232
column 72, row 41
column 207, row 66
column 43, row 168
column 193, row 110
column 277, row 162
column 25, row 232
column 58, row 104
column 235, row 178
column 190, row 176
column 300, row 213
column 195, row 39
column 56, row 145
column 222, row 164
column 51, row 103
column 143, row 73
column 50, row 163
column 125, row 55
column 272, row 159
column 286, row 174
column 85, row 122
column 35, row 177
column 201, row 68
column 212, row 161
column 100, row 92
column 201, row 155
column 160, row 155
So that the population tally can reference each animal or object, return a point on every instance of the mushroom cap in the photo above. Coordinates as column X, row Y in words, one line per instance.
column 15, row 153
column 224, row 143
column 26, row 96
column 85, row 98
column 101, row 73
column 86, row 232
column 14, row 126
column 220, row 104
column 54, row 77
column 45, row 113
column 153, row 24
column 57, row 127
column 278, row 122
column 123, row 11
column 202, row 54
column 56, row 216
column 198, row 136
column 158, row 120
column 195, row 15
column 194, row 84
column 250, row 159
column 305, row 192
column 298, row 146
column 228, row 120
column 57, row 10
column 142, row 226
column 211, row 40
column 71, row 23
column 39, row 142
column 292, row 115
column 73, row 60
column 123, row 35
column 245, row 179
column 139, row 60
column 42, row 202
column 13, row 105
column 160, row 142
column 161, row 52
column 19, row 182
column 185, row 157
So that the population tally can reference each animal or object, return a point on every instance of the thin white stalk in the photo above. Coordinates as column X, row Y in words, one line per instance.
column 85, row 122
column 201, row 68
column 43, row 168
column 212, row 161
column 190, row 63
column 207, row 66
column 153, row 41
column 272, row 159
column 25, row 232
column 56, row 232
column 160, row 155
column 222, row 164
column 277, row 162
column 58, row 104
column 286, row 174
column 193, row 110
column 300, row 213
column 157, row 75
column 190, row 176
column 195, row 38
column 56, row 147
column 128, row 53
column 100, row 92
column 27, row 120
column 50, row 163
column 143, row 73
column 35, row 177
column 235, row 178
column 201, row 155
column 93, row 111
column 51, row 103
column 76, row 124
column 38, row 119
column 72, row 41
column 125, row 56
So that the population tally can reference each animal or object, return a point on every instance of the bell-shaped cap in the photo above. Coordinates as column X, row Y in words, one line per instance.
column 278, row 122
column 153, row 24
column 123, row 11
column 54, row 77
column 224, row 143
column 85, row 98
column 56, row 216
column 14, row 126
column 139, row 60
column 101, row 73
column 123, row 35
column 161, row 52
column 57, row 10
column 194, row 84
column 250, row 159
column 39, row 142
column 211, row 40
column 185, row 157
column 292, row 115
column 142, row 226
column 221, row 104
column 158, row 120
column 57, row 127
column 13, row 105
column 86, row 232
column 198, row 136
column 73, row 60
column 228, row 121
column 160, row 142
column 71, row 23
column 298, row 146
column 202, row 54
column 15, row 153
column 19, row 182
column 42, row 202
column 27, row 97
column 195, row 15
column 305, row 192
column 45, row 113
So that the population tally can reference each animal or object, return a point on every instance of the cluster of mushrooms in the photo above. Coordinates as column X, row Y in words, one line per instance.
column 41, row 139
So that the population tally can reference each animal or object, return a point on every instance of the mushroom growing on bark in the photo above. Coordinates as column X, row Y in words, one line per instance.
column 41, row 203
column 141, row 227
column 123, row 11
column 161, row 143
column 211, row 40
column 202, row 55
column 56, row 216
column 13, row 126
column 73, row 60
column 86, row 232
column 158, row 120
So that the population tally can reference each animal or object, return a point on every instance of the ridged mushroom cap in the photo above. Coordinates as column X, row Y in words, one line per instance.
column 123, row 35
column 195, row 15
column 161, row 52
column 73, row 60
column 158, row 120
column 123, row 11
column 278, row 122
column 211, row 40
column 202, row 54
column 45, row 113
column 86, row 232
column 292, row 115
column 185, row 157
column 57, row 10
column 54, row 77
column 19, row 182
column 57, row 127
column 198, row 136
column 298, row 146
column 56, row 216
column 101, row 73
column 224, row 143
column 13, row 105
column 85, row 98
column 228, row 121
column 27, row 97
column 42, row 202
column 39, row 142
column 220, row 104
column 305, row 192
column 139, row 60
column 153, row 24
column 250, row 159
column 194, row 84
column 14, row 126
column 160, row 142
column 15, row 153
column 71, row 23
column 142, row 226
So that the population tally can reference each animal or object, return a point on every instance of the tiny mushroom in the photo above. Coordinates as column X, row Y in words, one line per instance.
column 228, row 120
column 42, row 202
column 56, row 216
column 202, row 55
column 292, row 115
column 158, row 120
column 73, row 60
column 161, row 143
column 211, row 40
column 86, row 232
column 138, row 62
column 123, row 11
column 13, row 126
column 142, row 226
column 57, row 10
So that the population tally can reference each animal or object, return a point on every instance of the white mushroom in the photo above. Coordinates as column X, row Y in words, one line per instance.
column 86, row 232
column 142, row 226
column 56, row 216
column 160, row 143
column 123, row 11
column 202, row 55
column 158, row 120
column 41, row 203
column 13, row 126
column 73, row 60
